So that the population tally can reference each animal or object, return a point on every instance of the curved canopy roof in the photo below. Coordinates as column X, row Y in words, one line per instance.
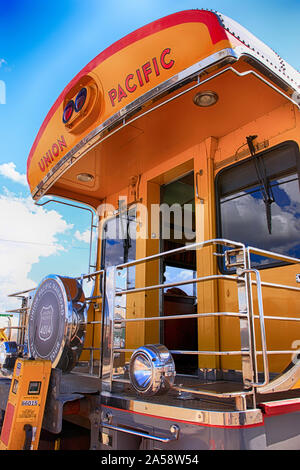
column 134, row 72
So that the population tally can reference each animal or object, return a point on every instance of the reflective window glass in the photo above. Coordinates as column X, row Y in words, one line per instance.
column 262, row 209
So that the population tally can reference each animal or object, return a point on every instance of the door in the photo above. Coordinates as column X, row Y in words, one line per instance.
column 178, row 230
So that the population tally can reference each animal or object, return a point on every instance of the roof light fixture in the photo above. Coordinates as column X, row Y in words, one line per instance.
column 205, row 99
column 85, row 177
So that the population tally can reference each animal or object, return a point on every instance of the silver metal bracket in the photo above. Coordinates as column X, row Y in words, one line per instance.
column 234, row 258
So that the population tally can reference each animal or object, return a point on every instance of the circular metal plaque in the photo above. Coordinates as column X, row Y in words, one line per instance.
column 56, row 321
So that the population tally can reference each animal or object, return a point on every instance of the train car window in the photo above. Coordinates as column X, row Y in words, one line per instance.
column 258, row 202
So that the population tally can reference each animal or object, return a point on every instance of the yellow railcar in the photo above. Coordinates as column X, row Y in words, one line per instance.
column 183, row 139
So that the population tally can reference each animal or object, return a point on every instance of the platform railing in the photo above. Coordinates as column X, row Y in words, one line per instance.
column 261, row 285
column 237, row 258
column 111, row 322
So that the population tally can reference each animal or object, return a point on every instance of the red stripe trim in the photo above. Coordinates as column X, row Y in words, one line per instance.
column 211, row 20
column 187, row 422
column 280, row 407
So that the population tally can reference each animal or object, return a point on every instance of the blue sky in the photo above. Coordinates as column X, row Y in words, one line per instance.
column 43, row 44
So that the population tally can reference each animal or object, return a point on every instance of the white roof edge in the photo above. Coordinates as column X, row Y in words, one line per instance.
column 253, row 46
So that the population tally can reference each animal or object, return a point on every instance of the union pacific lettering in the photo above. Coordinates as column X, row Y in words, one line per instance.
column 50, row 155
column 141, row 76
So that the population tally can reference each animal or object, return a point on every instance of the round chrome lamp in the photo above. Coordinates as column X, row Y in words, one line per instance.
column 152, row 369
column 204, row 99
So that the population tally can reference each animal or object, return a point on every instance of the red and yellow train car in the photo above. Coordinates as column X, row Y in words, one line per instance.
column 183, row 138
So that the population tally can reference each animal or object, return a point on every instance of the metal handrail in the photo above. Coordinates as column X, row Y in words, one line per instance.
column 240, row 277
column 194, row 353
column 89, row 275
column 14, row 327
column 272, row 254
column 121, row 292
column 92, row 225
column 278, row 286
column 180, row 283
column 184, row 316
column 262, row 328
column 18, row 310
column 83, row 276
column 279, row 351
column 192, row 246
column 271, row 317
column 17, row 294
column 243, row 278
column 174, row 433
column 262, row 318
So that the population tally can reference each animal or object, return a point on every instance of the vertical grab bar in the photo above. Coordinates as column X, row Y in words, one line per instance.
column 262, row 327
column 199, row 173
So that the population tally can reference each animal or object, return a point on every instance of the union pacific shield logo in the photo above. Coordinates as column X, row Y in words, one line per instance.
column 45, row 329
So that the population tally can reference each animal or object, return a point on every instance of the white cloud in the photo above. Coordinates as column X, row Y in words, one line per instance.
column 8, row 170
column 83, row 236
column 2, row 61
column 27, row 233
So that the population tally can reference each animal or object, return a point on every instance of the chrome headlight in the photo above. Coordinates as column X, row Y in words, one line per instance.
column 152, row 369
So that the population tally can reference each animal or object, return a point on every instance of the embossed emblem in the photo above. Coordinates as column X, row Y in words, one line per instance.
column 46, row 323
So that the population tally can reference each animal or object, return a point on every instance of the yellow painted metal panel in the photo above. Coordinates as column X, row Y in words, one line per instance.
column 26, row 403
